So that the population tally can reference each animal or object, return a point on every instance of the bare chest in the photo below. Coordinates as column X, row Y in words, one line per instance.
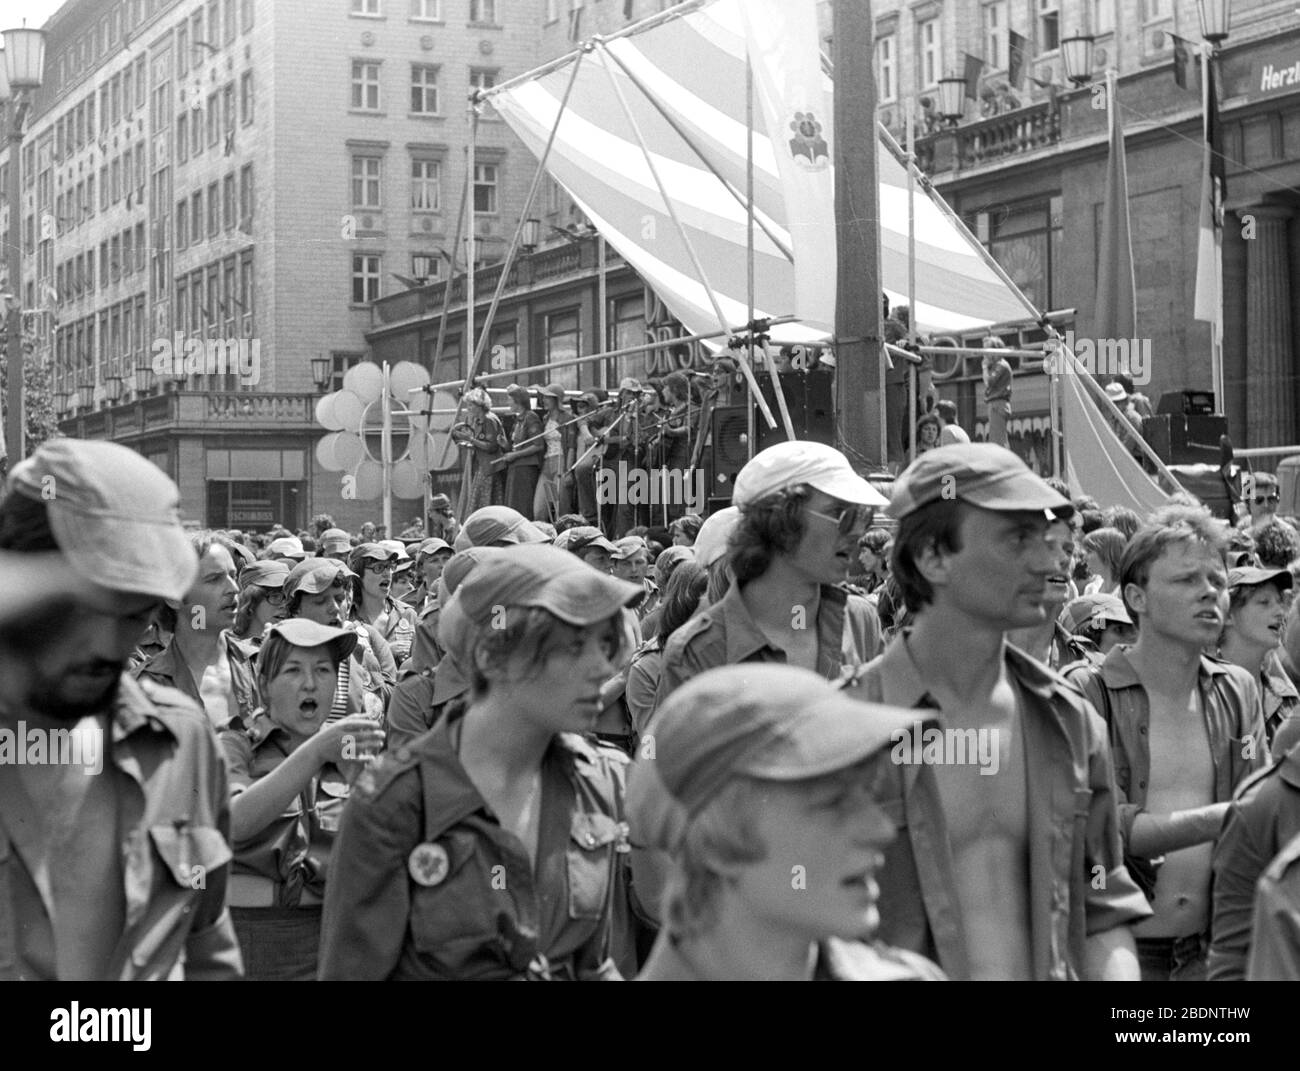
column 1182, row 769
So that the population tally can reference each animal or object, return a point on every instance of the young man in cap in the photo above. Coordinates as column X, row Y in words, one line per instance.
column 335, row 543
column 758, row 793
column 1095, row 624
column 1011, row 867
column 1260, row 491
column 288, row 549
column 497, row 526
column 1252, row 637
column 1185, row 730
column 630, row 561
column 442, row 523
column 588, row 544
column 802, row 509
column 113, row 855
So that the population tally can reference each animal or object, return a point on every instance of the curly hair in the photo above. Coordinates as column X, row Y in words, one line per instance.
column 771, row 525
column 1277, row 545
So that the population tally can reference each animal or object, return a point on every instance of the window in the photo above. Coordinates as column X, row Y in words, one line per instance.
column 424, row 89
column 214, row 210
column 426, row 185
column 365, row 278
column 183, row 136
column 182, row 225
column 90, row 118
column 104, row 109
column 115, row 257
column 117, row 179
column 1153, row 10
column 228, row 295
column 127, row 102
column 563, row 336
column 1026, row 240
column 114, row 100
column 228, row 106
column 196, row 217
column 246, row 98
column 246, row 14
column 228, row 202
column 888, row 87
column 426, row 266
column 931, row 65
column 141, row 250
column 1103, row 17
column 197, row 54
column 214, row 23
column 366, row 181
column 214, row 118
column 1049, row 25
column 552, row 11
column 365, row 86
column 486, row 178
column 229, row 27
column 427, row 10
column 103, row 265
column 128, row 255
column 365, row 7
column 995, row 34
column 246, row 290
column 196, row 132
column 183, row 49
column 246, row 198
column 483, row 11
column 139, row 168
column 90, row 195
column 141, row 85
column 483, row 79
column 103, row 188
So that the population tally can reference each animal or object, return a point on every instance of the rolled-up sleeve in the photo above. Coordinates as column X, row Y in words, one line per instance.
column 1112, row 898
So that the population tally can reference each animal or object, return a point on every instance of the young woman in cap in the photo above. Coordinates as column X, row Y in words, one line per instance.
column 483, row 434
column 373, row 604
column 1252, row 638
column 523, row 462
column 759, row 818
column 493, row 846
column 289, row 777
column 204, row 659
column 261, row 599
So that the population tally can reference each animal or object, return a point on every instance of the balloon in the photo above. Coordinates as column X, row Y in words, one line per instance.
column 369, row 477
column 365, row 380
column 440, row 421
column 347, row 410
column 408, row 481
column 443, row 454
column 325, row 453
column 349, row 451
column 325, row 413
column 403, row 378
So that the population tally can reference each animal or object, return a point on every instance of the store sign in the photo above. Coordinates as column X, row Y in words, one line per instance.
column 251, row 511
column 1275, row 74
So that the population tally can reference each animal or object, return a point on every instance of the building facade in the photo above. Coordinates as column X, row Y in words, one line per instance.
column 251, row 175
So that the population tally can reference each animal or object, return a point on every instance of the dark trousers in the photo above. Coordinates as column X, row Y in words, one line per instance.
column 280, row 944
column 1173, row 959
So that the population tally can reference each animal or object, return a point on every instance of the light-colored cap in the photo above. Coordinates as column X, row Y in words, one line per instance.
column 798, row 461
column 711, row 542
column 115, row 516
column 287, row 547
column 497, row 525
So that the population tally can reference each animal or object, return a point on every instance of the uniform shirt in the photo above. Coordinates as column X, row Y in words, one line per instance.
column 1072, row 825
column 1263, row 818
column 294, row 850
column 427, row 884
column 169, row 669
column 837, row 961
column 1281, row 703
column 397, row 627
column 1275, row 936
column 725, row 634
column 1229, row 702
column 173, row 822
column 419, row 699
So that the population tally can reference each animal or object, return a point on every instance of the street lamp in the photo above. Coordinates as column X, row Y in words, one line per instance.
column 23, row 70
column 321, row 371
column 1215, row 18
column 1076, row 54
column 85, row 393
column 530, row 234
column 952, row 91
column 113, row 389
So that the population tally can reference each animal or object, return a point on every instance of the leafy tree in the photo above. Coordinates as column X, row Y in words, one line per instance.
column 39, row 392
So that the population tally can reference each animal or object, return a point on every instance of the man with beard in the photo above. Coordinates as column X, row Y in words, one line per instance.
column 1011, row 865
column 117, row 872
column 1185, row 730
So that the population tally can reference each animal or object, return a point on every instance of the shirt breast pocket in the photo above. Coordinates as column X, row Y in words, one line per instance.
column 592, row 841
column 190, row 853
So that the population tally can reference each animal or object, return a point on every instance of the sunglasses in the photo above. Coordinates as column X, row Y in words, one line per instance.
column 1266, row 499
column 848, row 518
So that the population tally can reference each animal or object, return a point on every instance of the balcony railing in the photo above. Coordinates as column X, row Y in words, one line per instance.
column 995, row 138
column 256, row 408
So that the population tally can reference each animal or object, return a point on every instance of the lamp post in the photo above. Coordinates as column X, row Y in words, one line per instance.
column 113, row 389
column 85, row 393
column 1216, row 16
column 321, row 372
column 952, row 91
column 530, row 235
column 23, row 70
column 1076, row 55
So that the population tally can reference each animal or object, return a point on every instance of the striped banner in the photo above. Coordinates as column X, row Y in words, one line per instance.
column 682, row 81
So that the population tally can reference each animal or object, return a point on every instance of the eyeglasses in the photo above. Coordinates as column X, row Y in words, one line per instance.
column 275, row 598
column 1266, row 499
column 380, row 567
column 848, row 518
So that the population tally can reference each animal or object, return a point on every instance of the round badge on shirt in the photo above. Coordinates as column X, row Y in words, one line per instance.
column 428, row 864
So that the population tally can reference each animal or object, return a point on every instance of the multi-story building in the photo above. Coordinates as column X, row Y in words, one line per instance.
column 251, row 174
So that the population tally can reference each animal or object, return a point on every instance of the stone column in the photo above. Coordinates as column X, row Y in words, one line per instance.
column 1270, row 359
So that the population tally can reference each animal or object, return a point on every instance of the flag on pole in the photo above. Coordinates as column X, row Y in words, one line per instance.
column 1209, row 260
column 1184, row 50
column 785, row 52
column 974, row 65
column 1017, row 57
column 1116, row 282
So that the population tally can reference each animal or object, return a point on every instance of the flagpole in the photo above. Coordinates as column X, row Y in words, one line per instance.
column 1216, row 328
column 750, row 420
column 910, row 426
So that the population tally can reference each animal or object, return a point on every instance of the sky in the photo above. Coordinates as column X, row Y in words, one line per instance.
column 34, row 11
